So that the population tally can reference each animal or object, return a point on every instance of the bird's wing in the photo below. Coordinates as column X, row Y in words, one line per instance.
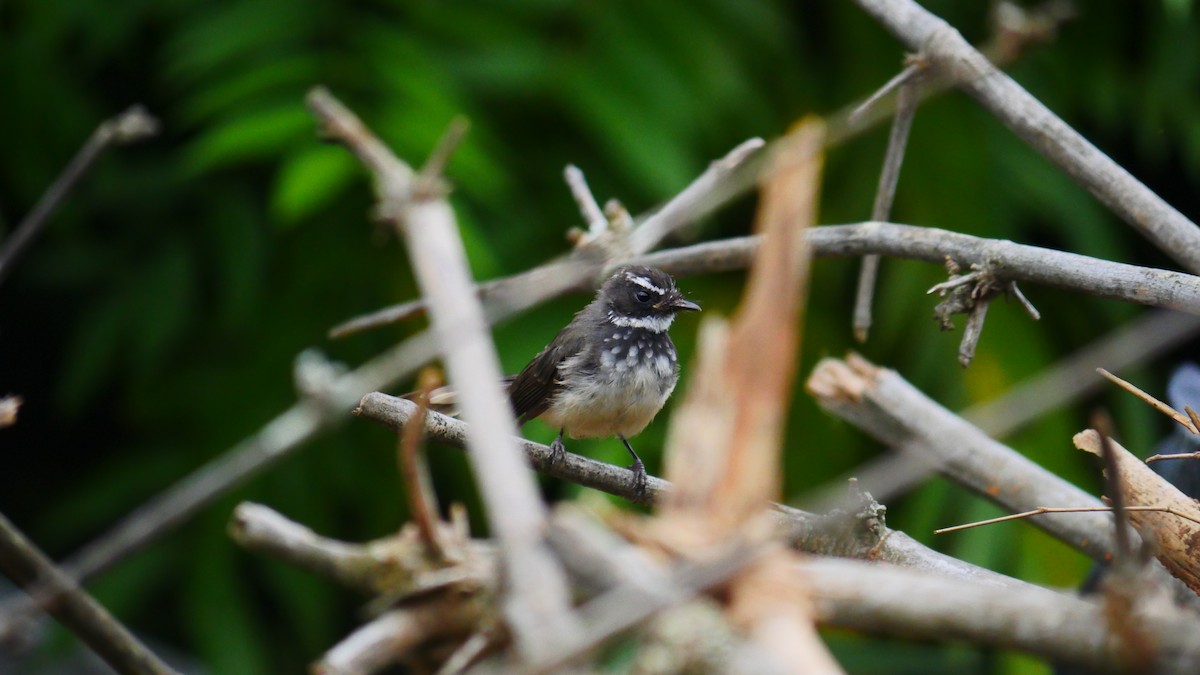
column 532, row 390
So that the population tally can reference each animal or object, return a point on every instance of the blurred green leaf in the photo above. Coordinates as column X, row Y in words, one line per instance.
column 310, row 180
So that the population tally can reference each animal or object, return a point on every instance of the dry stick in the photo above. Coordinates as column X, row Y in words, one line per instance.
column 1158, row 405
column 1008, row 260
column 131, row 126
column 393, row 634
column 591, row 211
column 809, row 532
column 880, row 599
column 1182, row 455
column 948, row 52
column 21, row 560
column 972, row 331
column 422, row 501
column 891, row 410
column 1123, row 560
column 537, row 600
column 906, row 109
column 1053, row 509
column 260, row 529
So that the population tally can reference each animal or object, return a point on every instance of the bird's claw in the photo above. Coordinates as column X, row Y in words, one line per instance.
column 557, row 450
column 640, row 480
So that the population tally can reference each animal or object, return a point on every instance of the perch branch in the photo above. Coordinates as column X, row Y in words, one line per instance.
column 131, row 126
column 21, row 560
column 1035, row 124
column 837, row 534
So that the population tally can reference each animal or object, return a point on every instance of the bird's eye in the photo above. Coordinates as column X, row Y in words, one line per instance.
column 642, row 297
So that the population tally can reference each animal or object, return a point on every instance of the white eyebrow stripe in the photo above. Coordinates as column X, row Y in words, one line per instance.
column 644, row 283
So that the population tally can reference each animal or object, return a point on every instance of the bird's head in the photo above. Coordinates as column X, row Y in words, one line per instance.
column 643, row 297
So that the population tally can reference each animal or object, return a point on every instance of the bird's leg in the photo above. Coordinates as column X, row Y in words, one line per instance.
column 557, row 449
column 638, row 469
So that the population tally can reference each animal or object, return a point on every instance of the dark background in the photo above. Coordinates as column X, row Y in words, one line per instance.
column 155, row 322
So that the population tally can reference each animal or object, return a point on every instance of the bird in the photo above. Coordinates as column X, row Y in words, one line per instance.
column 609, row 371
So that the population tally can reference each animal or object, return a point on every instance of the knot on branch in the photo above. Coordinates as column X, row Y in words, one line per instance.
column 962, row 293
column 971, row 294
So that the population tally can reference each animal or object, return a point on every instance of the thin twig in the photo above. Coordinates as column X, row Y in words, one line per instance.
column 972, row 331
column 1153, row 402
column 1041, row 510
column 1031, row 121
column 131, row 126
column 1182, row 455
column 21, row 560
column 593, row 216
column 1116, row 494
column 1015, row 291
column 1193, row 416
column 906, row 109
column 435, row 165
column 537, row 601
column 902, row 80
column 422, row 501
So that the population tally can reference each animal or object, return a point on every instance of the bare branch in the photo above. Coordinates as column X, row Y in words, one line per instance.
column 388, row 637
column 832, row 535
column 906, row 109
column 537, row 601
column 949, row 53
column 422, row 502
column 593, row 216
column 880, row 599
column 263, row 530
column 883, row 404
column 131, row 126
column 1182, row 455
column 1018, row 262
column 723, row 180
column 21, row 560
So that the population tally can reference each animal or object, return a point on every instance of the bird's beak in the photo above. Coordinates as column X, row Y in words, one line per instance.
column 682, row 304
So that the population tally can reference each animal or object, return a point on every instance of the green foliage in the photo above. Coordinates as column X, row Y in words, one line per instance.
column 155, row 322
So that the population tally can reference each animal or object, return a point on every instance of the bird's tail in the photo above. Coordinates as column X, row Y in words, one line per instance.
column 445, row 399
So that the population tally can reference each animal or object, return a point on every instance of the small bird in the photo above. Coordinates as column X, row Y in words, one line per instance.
column 610, row 370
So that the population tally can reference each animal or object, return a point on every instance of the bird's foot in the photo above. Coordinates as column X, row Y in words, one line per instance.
column 557, row 450
column 640, row 480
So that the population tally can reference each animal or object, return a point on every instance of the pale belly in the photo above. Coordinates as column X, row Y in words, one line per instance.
column 621, row 405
